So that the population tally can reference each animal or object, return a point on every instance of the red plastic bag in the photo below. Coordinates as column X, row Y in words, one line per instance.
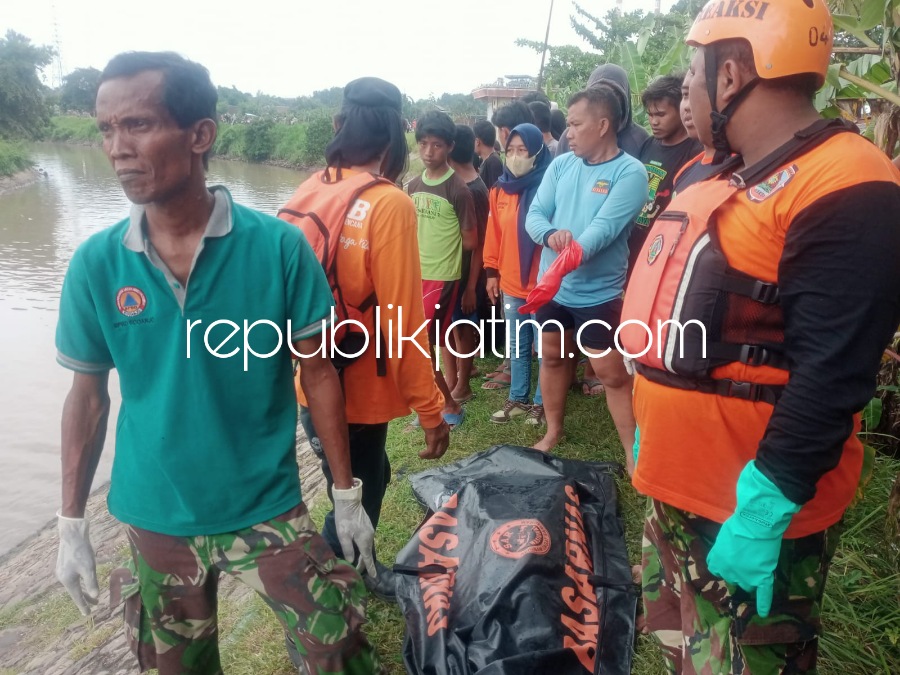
column 548, row 286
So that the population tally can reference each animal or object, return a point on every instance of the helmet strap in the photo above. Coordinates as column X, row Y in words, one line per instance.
column 720, row 119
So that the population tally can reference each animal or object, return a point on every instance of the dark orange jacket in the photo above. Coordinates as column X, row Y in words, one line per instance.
column 380, row 253
column 501, row 245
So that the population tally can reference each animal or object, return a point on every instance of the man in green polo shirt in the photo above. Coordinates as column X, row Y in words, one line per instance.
column 193, row 299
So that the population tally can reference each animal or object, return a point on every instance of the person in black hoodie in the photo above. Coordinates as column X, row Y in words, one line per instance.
column 631, row 136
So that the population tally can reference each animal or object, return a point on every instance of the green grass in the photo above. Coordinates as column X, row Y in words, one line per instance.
column 12, row 615
column 861, row 609
column 73, row 129
column 95, row 638
column 590, row 435
column 862, row 613
column 13, row 158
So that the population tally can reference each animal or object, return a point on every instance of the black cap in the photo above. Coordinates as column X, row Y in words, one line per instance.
column 373, row 92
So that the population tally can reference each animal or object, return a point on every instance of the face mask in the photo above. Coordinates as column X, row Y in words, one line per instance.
column 519, row 166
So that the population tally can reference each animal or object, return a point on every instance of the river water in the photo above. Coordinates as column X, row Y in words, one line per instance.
column 41, row 225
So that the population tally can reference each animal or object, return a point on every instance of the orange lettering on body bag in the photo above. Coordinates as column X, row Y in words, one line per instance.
column 435, row 544
column 579, row 597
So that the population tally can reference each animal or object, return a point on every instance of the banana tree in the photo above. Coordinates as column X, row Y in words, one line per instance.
column 876, row 74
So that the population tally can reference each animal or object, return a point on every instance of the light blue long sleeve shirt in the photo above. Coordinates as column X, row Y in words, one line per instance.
column 597, row 203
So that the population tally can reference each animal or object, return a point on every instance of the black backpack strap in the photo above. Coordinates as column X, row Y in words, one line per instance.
column 804, row 140
column 747, row 391
column 751, row 355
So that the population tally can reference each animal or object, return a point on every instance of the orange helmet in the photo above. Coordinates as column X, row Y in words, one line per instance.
column 788, row 37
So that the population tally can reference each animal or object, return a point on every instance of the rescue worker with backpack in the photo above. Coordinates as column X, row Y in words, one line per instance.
column 748, row 428
column 363, row 228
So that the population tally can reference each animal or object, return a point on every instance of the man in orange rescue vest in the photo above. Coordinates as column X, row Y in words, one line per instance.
column 788, row 259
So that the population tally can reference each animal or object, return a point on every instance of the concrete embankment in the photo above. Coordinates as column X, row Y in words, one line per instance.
column 41, row 631
column 20, row 179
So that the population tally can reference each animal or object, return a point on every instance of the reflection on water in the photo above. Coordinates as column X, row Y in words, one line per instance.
column 40, row 227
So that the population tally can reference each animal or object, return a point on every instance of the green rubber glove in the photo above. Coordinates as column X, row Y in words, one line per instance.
column 747, row 548
column 636, row 448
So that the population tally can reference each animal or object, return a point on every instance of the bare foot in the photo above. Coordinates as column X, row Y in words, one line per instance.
column 548, row 442
column 640, row 624
column 462, row 393
column 453, row 409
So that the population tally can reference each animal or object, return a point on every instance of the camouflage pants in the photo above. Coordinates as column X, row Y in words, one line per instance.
column 170, row 606
column 708, row 627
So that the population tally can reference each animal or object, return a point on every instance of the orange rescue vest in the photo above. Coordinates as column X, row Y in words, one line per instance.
column 321, row 207
column 687, row 311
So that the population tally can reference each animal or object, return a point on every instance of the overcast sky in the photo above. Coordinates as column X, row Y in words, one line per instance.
column 294, row 47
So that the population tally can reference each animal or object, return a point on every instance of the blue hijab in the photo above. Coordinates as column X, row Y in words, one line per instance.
column 526, row 187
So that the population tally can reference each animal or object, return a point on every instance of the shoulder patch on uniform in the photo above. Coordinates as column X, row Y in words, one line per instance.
column 655, row 249
column 602, row 187
column 775, row 182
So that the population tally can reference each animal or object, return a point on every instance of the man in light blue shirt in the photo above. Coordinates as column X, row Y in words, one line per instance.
column 588, row 199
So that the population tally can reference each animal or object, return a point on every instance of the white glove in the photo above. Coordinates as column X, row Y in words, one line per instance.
column 354, row 527
column 76, row 563
column 629, row 366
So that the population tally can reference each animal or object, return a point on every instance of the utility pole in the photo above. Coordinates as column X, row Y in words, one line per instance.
column 57, row 59
column 540, row 80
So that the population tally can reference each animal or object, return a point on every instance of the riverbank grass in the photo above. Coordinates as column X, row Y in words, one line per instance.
column 13, row 158
column 71, row 129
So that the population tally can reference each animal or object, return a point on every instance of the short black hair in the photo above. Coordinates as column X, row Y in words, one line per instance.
column 485, row 132
column 535, row 95
column 436, row 123
column 541, row 112
column 557, row 123
column 512, row 114
column 188, row 92
column 664, row 88
column 601, row 95
column 463, row 145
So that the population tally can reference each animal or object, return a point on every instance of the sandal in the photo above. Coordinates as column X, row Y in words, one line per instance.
column 535, row 416
column 509, row 410
column 499, row 370
column 453, row 420
column 500, row 381
column 465, row 399
column 591, row 386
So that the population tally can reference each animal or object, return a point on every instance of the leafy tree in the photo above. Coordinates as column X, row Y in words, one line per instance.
column 79, row 90
column 23, row 110
column 460, row 105
column 318, row 133
column 259, row 141
column 567, row 69
column 329, row 98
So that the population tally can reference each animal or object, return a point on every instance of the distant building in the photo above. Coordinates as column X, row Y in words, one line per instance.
column 504, row 90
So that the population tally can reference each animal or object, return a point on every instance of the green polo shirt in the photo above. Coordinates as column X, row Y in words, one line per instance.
column 205, row 443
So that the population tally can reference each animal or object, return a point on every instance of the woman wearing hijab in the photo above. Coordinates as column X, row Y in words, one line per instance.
column 511, row 261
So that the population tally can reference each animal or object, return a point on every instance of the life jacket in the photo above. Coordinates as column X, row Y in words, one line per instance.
column 687, row 311
column 321, row 207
